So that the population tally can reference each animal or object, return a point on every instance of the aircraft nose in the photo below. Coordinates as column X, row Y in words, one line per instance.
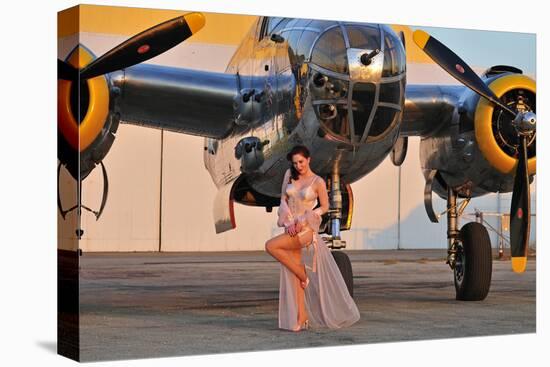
column 358, row 81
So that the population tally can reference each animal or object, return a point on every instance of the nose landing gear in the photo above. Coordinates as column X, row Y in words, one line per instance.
column 334, row 241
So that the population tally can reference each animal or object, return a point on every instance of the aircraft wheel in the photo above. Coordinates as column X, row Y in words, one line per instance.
column 474, row 263
column 344, row 264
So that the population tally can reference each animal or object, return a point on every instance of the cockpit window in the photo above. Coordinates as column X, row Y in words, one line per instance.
column 276, row 28
column 363, row 37
column 365, row 103
column 272, row 23
column 330, row 51
column 269, row 23
column 394, row 63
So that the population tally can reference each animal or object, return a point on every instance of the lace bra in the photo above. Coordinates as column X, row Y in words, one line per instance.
column 303, row 198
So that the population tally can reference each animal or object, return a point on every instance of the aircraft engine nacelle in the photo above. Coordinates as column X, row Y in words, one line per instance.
column 477, row 152
column 86, row 121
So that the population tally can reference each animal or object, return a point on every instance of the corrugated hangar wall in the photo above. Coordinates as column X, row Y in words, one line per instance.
column 147, row 212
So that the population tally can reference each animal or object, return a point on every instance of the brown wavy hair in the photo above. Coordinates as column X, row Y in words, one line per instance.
column 298, row 149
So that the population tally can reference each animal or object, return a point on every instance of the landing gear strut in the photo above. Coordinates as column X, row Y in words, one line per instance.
column 469, row 253
column 334, row 241
column 335, row 211
column 453, row 213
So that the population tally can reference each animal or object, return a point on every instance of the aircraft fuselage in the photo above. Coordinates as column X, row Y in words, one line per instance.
column 345, row 110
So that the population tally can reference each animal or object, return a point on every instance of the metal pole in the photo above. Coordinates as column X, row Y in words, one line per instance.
column 479, row 216
column 399, row 208
column 500, row 239
column 160, row 194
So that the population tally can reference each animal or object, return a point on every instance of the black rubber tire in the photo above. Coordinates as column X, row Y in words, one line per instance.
column 344, row 264
column 478, row 263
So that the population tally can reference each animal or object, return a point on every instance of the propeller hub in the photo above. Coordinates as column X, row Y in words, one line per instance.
column 525, row 122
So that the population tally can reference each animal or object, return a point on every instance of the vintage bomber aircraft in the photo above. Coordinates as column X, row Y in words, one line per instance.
column 338, row 88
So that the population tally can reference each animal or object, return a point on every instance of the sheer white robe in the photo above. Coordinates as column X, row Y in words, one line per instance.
column 328, row 302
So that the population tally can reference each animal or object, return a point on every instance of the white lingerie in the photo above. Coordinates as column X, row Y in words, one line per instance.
column 327, row 299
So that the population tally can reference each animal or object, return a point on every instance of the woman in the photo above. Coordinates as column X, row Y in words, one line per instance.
column 312, row 290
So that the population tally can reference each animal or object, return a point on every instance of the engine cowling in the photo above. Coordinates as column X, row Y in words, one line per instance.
column 494, row 134
column 86, row 121
column 476, row 152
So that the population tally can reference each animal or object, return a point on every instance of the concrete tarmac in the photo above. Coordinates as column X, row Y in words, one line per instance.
column 146, row 305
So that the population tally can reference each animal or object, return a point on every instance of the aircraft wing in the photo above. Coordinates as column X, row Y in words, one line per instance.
column 181, row 100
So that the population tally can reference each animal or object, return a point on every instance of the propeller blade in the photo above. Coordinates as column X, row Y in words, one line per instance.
column 145, row 45
column 520, row 214
column 456, row 67
column 66, row 71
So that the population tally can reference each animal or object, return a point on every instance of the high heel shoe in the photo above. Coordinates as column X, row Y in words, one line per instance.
column 304, row 326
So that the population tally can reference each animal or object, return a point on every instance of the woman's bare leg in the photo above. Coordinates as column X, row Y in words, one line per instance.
column 280, row 246
column 288, row 251
column 300, row 293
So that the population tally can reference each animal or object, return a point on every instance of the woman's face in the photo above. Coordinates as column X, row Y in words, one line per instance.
column 300, row 163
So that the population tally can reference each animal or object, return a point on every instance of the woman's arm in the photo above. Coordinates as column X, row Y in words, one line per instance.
column 285, row 216
column 322, row 193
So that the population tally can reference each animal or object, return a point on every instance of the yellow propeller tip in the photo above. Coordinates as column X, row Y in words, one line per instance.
column 519, row 264
column 420, row 38
column 195, row 21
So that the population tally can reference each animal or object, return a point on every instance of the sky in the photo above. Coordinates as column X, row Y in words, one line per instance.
column 487, row 48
